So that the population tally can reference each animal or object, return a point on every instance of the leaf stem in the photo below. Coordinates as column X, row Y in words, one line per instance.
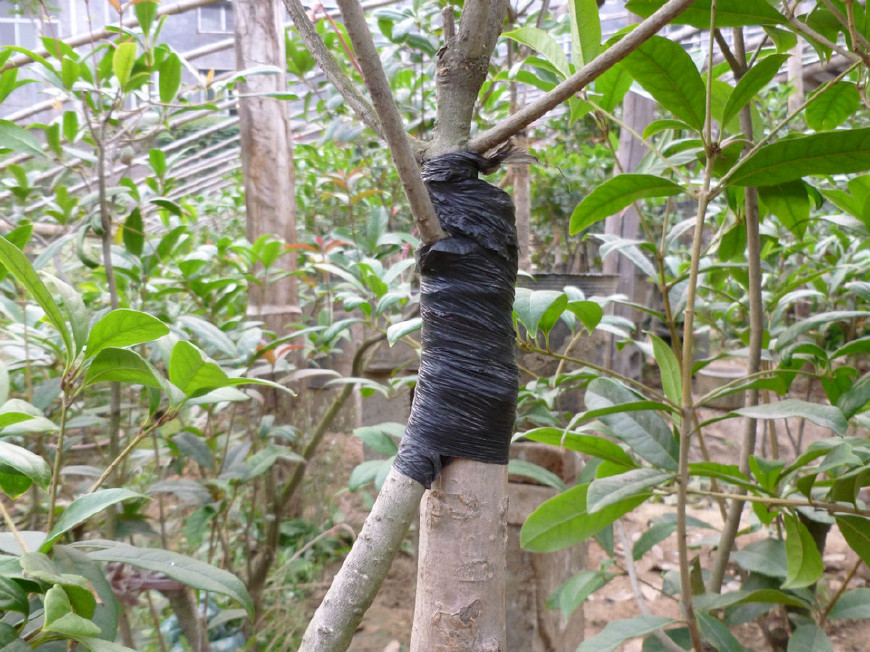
column 14, row 530
column 58, row 460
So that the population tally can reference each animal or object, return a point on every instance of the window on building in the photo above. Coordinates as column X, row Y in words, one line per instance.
column 216, row 18
column 16, row 28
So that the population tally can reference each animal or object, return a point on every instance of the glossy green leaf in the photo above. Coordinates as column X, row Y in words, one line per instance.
column 830, row 108
column 645, row 431
column 669, row 369
column 588, row 312
column 585, row 31
column 123, row 327
column 83, row 508
column 856, row 532
column 833, row 152
column 122, row 61
column 398, row 331
column 755, row 79
column 713, row 601
column 852, row 605
column 805, row 565
column 820, row 319
column 657, row 126
column 19, row 139
column 574, row 592
column 19, row 468
column 18, row 265
column 100, row 645
column 146, row 12
column 544, row 44
column 539, row 309
column 13, row 597
column 856, row 398
column 618, row 193
column 190, row 572
column 809, row 638
column 616, row 632
column 826, row 416
column 767, row 557
column 563, row 520
column 61, row 619
column 535, row 472
column 717, row 634
column 666, row 71
column 611, row 87
column 790, row 202
column 192, row 373
column 123, row 366
column 615, row 488
column 729, row 13
column 587, row 444
column 133, row 232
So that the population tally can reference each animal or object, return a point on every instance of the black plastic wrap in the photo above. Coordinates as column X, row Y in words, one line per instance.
column 466, row 395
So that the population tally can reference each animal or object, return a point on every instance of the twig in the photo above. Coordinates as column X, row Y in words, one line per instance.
column 579, row 80
column 635, row 587
column 824, row 617
column 391, row 122
column 832, row 508
column 14, row 530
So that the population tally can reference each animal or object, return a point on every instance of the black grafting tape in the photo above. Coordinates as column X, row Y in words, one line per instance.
column 466, row 395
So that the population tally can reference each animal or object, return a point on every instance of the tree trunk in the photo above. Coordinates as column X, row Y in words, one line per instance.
column 267, row 159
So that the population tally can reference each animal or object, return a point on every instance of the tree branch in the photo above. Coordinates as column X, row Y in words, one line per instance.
column 579, row 80
column 391, row 122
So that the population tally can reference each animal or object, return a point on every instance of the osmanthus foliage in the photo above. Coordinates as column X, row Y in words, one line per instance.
column 723, row 135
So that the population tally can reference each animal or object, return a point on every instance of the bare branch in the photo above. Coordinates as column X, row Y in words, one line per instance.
column 330, row 67
column 391, row 122
column 579, row 80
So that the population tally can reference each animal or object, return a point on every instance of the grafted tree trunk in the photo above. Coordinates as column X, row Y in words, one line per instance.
column 267, row 152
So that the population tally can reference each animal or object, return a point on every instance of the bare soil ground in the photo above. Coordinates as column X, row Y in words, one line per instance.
column 387, row 625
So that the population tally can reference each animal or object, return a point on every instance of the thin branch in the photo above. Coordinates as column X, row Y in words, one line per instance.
column 824, row 617
column 14, row 530
column 331, row 68
column 391, row 122
column 579, row 80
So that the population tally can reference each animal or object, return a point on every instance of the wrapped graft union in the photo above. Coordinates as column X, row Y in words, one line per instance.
column 466, row 395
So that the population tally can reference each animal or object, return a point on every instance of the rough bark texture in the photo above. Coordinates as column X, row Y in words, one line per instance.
column 266, row 153
column 461, row 573
column 365, row 568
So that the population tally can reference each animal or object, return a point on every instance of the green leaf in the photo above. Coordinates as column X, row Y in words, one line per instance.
column 563, row 521
column 666, row 71
column 805, row 565
column 98, row 644
column 122, row 61
column 611, row 87
column 790, row 202
column 826, row 416
column 586, row 444
column 19, row 139
column 644, row 431
column 146, row 12
column 834, row 152
column 543, row 44
column 574, row 592
column 830, row 108
column 83, row 508
column 18, row 265
column 124, row 366
column 190, row 572
column 60, row 618
column 378, row 437
column 729, row 13
column 617, row 632
column 669, row 369
column 536, row 472
column 615, row 488
column 398, row 331
column 539, row 309
column 852, row 605
column 809, row 638
column 585, row 31
column 820, row 319
column 713, row 601
column 123, row 327
column 133, row 231
column 618, row 193
column 191, row 373
column 588, row 312
column 19, row 468
column 716, row 633
column 13, row 597
column 856, row 532
column 753, row 81
column 767, row 557
column 657, row 126
column 855, row 398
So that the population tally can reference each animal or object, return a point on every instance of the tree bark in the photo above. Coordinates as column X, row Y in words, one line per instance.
column 266, row 151
column 461, row 571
